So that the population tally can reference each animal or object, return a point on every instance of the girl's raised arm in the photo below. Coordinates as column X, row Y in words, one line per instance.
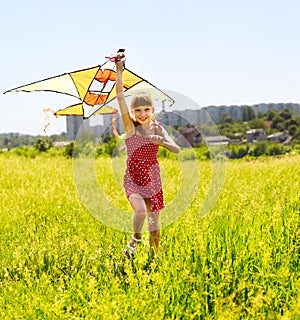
column 127, row 120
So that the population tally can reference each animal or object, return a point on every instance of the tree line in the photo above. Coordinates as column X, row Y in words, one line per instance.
column 272, row 121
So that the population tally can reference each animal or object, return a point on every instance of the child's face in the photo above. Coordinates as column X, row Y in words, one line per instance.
column 143, row 114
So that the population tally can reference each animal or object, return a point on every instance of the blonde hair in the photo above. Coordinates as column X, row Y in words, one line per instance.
column 141, row 98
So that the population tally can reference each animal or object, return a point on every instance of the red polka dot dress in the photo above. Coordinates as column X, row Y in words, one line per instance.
column 143, row 173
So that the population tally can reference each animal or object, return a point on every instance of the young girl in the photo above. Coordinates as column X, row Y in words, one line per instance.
column 142, row 181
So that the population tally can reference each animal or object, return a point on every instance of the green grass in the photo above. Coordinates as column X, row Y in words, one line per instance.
column 241, row 261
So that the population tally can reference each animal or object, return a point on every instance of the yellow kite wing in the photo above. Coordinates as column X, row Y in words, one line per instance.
column 94, row 88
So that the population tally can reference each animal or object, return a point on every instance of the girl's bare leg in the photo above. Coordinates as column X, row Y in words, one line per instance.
column 140, row 212
column 154, row 241
column 154, row 229
column 141, row 207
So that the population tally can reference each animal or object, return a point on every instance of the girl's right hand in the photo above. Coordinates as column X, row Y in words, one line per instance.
column 120, row 58
column 156, row 139
column 120, row 61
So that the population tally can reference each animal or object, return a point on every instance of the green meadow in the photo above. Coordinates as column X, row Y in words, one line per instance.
column 240, row 261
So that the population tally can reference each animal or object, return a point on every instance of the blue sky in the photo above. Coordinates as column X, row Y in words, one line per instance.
column 214, row 52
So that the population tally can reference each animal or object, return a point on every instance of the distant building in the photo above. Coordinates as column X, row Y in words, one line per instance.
column 278, row 137
column 100, row 125
column 73, row 125
column 265, row 107
column 216, row 112
column 61, row 143
column 189, row 137
column 255, row 135
column 171, row 119
column 216, row 140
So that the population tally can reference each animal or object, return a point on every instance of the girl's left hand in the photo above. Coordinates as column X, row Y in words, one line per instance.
column 156, row 139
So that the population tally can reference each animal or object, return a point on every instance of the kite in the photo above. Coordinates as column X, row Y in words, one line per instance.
column 94, row 88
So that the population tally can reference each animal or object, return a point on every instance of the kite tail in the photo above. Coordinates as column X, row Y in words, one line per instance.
column 46, row 113
column 113, row 124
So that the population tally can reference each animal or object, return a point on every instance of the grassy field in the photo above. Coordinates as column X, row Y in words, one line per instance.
column 241, row 261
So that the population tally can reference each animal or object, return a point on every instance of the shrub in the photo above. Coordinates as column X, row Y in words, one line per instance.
column 27, row 152
column 274, row 149
column 237, row 152
column 68, row 151
column 43, row 144
column 259, row 149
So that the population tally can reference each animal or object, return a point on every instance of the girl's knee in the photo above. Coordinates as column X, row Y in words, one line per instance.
column 140, row 214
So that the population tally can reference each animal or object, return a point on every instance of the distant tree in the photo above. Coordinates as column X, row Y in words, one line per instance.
column 226, row 119
column 106, row 138
column 291, row 122
column 43, row 144
column 286, row 114
column 260, row 115
column 257, row 124
column 292, row 129
column 58, row 137
column 277, row 122
column 110, row 146
column 6, row 142
column 270, row 115
column 297, row 134
column 69, row 151
column 248, row 114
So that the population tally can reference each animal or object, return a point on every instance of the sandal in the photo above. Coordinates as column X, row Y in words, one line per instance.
column 129, row 251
